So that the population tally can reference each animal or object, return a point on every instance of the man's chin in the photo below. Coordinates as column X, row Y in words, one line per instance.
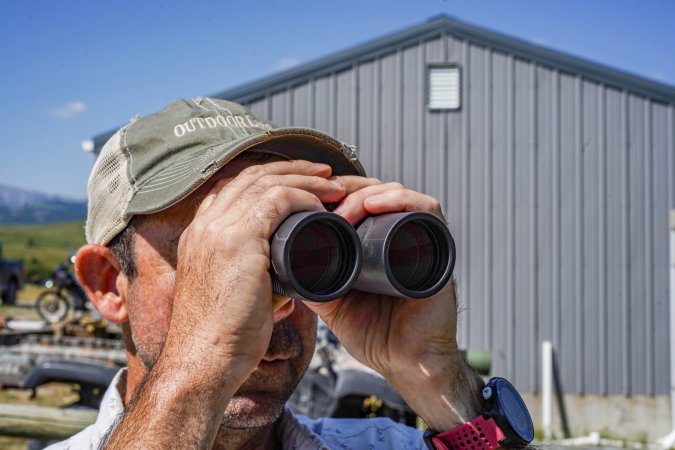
column 253, row 410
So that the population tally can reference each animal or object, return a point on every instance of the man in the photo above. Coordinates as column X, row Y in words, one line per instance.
column 182, row 205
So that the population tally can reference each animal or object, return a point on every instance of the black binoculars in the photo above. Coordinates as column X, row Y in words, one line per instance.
column 319, row 256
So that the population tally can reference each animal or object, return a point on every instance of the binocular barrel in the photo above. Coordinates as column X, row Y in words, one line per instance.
column 405, row 255
column 319, row 256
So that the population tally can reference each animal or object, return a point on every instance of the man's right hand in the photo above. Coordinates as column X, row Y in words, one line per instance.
column 223, row 308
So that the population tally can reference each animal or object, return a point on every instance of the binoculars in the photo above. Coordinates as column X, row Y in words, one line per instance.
column 319, row 256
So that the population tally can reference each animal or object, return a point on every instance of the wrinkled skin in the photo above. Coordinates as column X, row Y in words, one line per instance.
column 206, row 335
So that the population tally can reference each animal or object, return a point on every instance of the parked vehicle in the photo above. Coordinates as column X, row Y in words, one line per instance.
column 12, row 275
column 63, row 294
column 87, row 365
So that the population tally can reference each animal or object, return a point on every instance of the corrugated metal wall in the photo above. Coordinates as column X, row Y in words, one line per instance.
column 557, row 190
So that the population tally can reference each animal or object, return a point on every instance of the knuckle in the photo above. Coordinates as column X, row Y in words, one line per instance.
column 395, row 185
column 427, row 201
column 259, row 187
column 270, row 180
column 230, row 236
column 254, row 170
column 316, row 180
column 199, row 232
column 301, row 163
column 213, row 228
column 268, row 209
column 197, row 227
column 263, row 183
column 278, row 193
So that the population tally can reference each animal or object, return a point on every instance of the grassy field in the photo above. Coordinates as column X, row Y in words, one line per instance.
column 41, row 247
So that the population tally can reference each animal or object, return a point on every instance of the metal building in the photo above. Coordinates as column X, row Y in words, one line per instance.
column 556, row 175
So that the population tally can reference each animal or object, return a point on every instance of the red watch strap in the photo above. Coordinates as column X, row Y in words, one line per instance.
column 479, row 434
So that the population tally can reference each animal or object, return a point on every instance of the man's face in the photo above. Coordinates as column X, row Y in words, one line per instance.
column 260, row 399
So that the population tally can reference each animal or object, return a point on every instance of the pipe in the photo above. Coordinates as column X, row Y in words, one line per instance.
column 672, row 317
column 668, row 441
column 559, row 395
column 546, row 387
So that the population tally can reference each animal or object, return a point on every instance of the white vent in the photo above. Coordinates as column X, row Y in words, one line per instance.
column 444, row 87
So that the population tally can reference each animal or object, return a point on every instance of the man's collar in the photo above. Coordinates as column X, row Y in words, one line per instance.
column 292, row 431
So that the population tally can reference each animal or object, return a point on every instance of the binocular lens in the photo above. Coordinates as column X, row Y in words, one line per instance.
column 413, row 256
column 317, row 257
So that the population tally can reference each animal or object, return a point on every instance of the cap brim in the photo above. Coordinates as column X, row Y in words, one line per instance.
column 189, row 170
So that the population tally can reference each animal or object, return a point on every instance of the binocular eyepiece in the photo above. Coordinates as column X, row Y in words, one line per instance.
column 319, row 256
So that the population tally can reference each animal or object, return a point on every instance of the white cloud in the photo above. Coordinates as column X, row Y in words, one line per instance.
column 88, row 145
column 68, row 110
column 286, row 63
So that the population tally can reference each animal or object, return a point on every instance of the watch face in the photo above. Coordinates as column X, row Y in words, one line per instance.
column 514, row 410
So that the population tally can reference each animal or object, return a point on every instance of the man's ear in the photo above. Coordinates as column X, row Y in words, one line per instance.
column 99, row 274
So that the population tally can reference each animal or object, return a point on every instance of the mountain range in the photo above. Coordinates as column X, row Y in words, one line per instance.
column 25, row 207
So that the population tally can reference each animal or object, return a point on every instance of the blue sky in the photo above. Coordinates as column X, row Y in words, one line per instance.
column 74, row 69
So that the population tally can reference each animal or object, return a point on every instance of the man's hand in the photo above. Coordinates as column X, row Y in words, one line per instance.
column 411, row 342
column 223, row 307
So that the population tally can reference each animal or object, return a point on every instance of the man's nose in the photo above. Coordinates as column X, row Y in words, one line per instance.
column 283, row 307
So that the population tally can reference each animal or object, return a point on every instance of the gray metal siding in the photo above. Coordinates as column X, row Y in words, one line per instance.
column 556, row 187
column 663, row 150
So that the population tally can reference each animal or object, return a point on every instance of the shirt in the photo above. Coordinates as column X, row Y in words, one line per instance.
column 295, row 432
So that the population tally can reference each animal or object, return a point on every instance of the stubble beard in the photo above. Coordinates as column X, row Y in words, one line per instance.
column 260, row 400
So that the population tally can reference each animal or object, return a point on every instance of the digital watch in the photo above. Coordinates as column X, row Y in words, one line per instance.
column 507, row 423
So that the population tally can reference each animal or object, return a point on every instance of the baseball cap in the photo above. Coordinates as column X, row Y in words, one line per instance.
column 156, row 161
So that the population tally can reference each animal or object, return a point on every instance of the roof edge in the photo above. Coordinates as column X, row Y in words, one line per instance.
column 340, row 60
column 619, row 78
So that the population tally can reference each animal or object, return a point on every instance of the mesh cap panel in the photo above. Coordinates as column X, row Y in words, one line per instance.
column 109, row 192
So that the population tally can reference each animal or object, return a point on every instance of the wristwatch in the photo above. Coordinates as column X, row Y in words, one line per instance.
column 507, row 423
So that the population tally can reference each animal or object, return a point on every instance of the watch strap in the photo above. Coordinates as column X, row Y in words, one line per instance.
column 478, row 434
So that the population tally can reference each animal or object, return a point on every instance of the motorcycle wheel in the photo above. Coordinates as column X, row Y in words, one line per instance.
column 52, row 307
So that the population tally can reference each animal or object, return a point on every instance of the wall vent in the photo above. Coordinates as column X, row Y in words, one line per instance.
column 444, row 87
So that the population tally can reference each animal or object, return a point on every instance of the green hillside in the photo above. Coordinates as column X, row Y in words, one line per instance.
column 41, row 247
column 52, row 211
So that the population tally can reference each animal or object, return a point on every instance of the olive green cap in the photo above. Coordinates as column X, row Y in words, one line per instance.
column 156, row 161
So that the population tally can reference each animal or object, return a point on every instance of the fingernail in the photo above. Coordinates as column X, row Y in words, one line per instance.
column 374, row 200
column 336, row 181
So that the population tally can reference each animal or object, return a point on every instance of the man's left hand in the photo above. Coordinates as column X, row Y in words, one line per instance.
column 411, row 342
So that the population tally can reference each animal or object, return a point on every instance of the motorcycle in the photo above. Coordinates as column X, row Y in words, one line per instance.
column 63, row 294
